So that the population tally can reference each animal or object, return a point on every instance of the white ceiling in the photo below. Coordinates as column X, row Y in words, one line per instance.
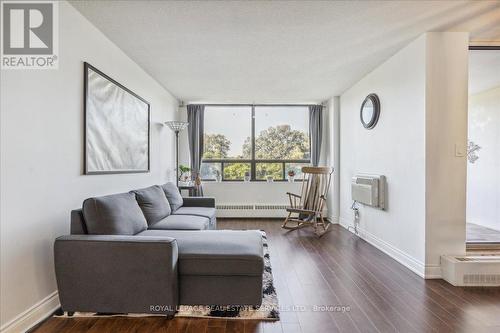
column 271, row 51
column 484, row 70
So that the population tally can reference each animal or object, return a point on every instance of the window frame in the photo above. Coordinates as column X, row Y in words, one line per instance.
column 253, row 161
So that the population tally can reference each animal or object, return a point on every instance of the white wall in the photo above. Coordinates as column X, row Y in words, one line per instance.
column 42, row 160
column 423, row 91
column 394, row 148
column 483, row 177
column 447, row 77
column 251, row 192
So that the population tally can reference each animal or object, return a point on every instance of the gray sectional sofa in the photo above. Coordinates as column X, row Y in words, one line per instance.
column 150, row 250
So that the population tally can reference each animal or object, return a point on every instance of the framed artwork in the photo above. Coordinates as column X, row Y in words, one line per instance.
column 117, row 126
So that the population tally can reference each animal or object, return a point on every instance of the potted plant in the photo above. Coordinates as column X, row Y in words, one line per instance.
column 291, row 175
column 269, row 179
column 247, row 176
column 184, row 170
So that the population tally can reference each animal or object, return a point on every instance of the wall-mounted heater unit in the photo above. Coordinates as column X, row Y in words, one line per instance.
column 369, row 190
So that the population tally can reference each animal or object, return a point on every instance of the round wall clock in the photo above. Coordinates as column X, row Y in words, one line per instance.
column 370, row 111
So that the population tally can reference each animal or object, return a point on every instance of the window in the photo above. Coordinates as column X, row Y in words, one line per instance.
column 228, row 132
column 258, row 141
column 282, row 133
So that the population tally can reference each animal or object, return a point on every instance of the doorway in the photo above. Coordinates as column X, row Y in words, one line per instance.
column 483, row 153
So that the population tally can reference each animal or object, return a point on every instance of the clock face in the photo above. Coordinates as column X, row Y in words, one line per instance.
column 370, row 111
column 367, row 112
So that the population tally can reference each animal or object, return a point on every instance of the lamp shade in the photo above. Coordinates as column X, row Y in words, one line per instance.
column 177, row 125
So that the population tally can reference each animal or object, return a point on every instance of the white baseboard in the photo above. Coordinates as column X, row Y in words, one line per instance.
column 433, row 272
column 333, row 219
column 402, row 257
column 33, row 315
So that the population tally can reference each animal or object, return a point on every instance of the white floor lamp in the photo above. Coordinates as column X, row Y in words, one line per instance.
column 177, row 126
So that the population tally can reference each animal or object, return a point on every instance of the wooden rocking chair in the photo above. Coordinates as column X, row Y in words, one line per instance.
column 306, row 209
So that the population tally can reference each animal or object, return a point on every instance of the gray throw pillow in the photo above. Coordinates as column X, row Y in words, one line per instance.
column 173, row 196
column 153, row 203
column 117, row 214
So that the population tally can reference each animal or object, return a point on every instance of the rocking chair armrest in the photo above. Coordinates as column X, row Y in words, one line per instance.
column 293, row 194
column 300, row 210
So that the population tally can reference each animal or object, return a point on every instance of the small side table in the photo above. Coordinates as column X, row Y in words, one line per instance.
column 189, row 188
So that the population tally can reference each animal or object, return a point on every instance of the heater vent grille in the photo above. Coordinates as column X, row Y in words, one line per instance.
column 252, row 210
column 483, row 279
column 252, row 207
column 234, row 207
column 271, row 206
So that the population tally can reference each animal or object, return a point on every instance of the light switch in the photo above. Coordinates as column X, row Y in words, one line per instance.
column 460, row 150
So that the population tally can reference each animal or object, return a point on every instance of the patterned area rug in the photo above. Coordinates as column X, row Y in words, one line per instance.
column 269, row 310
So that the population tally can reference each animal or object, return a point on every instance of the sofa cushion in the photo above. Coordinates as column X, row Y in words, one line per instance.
column 173, row 196
column 217, row 252
column 182, row 222
column 196, row 211
column 153, row 203
column 117, row 214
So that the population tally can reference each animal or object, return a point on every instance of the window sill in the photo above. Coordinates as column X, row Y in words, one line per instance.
column 226, row 182
column 209, row 181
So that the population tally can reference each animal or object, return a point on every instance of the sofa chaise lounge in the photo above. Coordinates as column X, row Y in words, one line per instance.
column 150, row 250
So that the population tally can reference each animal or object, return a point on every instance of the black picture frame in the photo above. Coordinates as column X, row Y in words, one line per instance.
column 86, row 171
column 376, row 111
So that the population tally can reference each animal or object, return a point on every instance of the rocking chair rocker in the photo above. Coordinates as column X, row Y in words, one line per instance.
column 306, row 209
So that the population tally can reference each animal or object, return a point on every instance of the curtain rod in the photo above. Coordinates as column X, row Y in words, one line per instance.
column 209, row 104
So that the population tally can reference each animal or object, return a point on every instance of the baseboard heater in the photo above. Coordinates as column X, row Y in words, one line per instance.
column 472, row 271
column 251, row 210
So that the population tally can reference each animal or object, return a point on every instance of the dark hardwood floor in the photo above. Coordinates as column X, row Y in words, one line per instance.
column 337, row 270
